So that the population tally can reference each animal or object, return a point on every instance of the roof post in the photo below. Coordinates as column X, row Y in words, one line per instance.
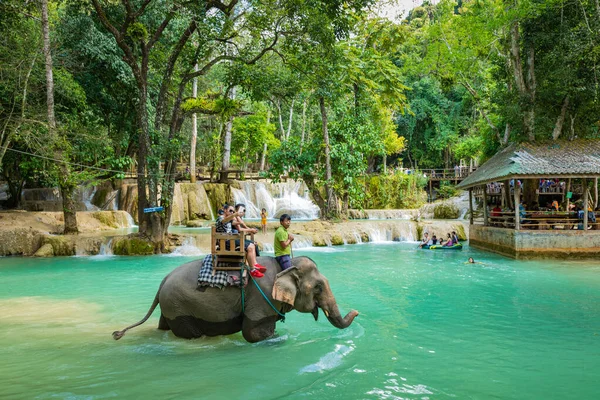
column 470, row 206
column 517, row 191
column 585, row 204
column 485, row 205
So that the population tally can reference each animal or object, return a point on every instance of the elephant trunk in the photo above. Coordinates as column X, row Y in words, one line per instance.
column 335, row 318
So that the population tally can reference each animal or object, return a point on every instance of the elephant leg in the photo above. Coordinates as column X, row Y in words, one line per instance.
column 163, row 324
column 256, row 331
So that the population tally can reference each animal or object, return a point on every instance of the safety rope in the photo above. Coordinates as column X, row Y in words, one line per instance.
column 266, row 298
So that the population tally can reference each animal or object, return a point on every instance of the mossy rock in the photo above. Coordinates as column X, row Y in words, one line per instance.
column 132, row 246
column 106, row 218
column 350, row 239
column 45, row 251
column 319, row 241
column 446, row 211
column 337, row 239
column 419, row 232
column 61, row 245
column 101, row 195
column 218, row 194
column 460, row 232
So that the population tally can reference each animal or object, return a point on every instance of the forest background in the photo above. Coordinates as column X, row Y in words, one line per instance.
column 320, row 90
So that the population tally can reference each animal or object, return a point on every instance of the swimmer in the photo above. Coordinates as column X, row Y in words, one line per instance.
column 471, row 261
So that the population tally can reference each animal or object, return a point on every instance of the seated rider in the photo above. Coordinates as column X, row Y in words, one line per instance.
column 426, row 240
column 434, row 240
column 448, row 242
column 454, row 238
column 223, row 225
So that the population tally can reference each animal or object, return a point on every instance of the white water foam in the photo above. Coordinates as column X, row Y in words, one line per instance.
column 330, row 360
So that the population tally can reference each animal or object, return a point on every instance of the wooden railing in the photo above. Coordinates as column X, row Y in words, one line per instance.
column 543, row 220
column 448, row 174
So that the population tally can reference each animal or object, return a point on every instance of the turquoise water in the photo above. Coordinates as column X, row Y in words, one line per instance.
column 431, row 327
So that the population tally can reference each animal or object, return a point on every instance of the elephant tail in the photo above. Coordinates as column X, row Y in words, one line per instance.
column 119, row 334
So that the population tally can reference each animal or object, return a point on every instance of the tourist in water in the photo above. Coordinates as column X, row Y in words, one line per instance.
column 225, row 225
column 263, row 220
column 282, row 243
column 426, row 240
column 471, row 261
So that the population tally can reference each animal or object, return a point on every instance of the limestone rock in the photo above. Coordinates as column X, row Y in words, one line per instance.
column 61, row 245
column 19, row 241
column 45, row 251
column 132, row 246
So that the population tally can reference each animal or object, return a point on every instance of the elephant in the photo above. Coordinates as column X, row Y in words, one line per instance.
column 192, row 313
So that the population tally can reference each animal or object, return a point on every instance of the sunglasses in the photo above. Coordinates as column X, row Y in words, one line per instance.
column 231, row 210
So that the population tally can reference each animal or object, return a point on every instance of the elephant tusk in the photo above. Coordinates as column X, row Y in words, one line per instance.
column 326, row 313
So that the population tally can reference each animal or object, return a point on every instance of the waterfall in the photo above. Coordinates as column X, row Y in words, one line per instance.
column 187, row 248
column 86, row 193
column 277, row 198
column 380, row 235
column 106, row 249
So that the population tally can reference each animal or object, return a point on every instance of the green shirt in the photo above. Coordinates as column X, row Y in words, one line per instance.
column 281, row 235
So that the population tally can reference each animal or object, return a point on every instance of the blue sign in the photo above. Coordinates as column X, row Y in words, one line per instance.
column 153, row 209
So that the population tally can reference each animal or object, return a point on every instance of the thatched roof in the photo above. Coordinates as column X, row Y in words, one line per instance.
column 578, row 158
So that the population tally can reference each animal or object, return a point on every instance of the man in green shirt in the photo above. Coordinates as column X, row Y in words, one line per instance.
column 283, row 242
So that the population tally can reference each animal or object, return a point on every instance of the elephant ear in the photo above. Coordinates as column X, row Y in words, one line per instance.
column 285, row 286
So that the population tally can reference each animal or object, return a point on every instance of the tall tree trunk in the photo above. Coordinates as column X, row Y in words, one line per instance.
column 289, row 130
column 278, row 105
column 561, row 119
column 531, row 92
column 526, row 85
column 9, row 133
column 227, row 138
column 530, row 195
column 384, row 163
column 67, row 187
column 303, row 124
column 264, row 152
column 145, row 227
column 331, row 200
column 194, row 131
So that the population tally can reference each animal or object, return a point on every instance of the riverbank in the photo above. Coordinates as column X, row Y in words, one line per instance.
column 37, row 233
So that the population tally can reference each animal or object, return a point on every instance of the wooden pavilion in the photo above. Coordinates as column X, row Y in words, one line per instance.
column 567, row 229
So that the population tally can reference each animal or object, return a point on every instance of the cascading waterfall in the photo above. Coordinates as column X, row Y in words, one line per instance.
column 283, row 198
column 106, row 249
column 187, row 248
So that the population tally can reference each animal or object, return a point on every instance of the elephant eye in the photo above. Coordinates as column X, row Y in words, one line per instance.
column 319, row 288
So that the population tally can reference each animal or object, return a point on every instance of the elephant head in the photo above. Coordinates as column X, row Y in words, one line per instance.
column 304, row 288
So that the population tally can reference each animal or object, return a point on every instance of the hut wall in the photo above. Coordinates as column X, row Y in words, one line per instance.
column 527, row 244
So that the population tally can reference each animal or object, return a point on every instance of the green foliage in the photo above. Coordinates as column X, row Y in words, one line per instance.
column 447, row 190
column 137, row 32
column 445, row 211
column 396, row 190
column 249, row 135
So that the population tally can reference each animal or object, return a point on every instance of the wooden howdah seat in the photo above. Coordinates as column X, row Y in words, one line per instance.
column 227, row 256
